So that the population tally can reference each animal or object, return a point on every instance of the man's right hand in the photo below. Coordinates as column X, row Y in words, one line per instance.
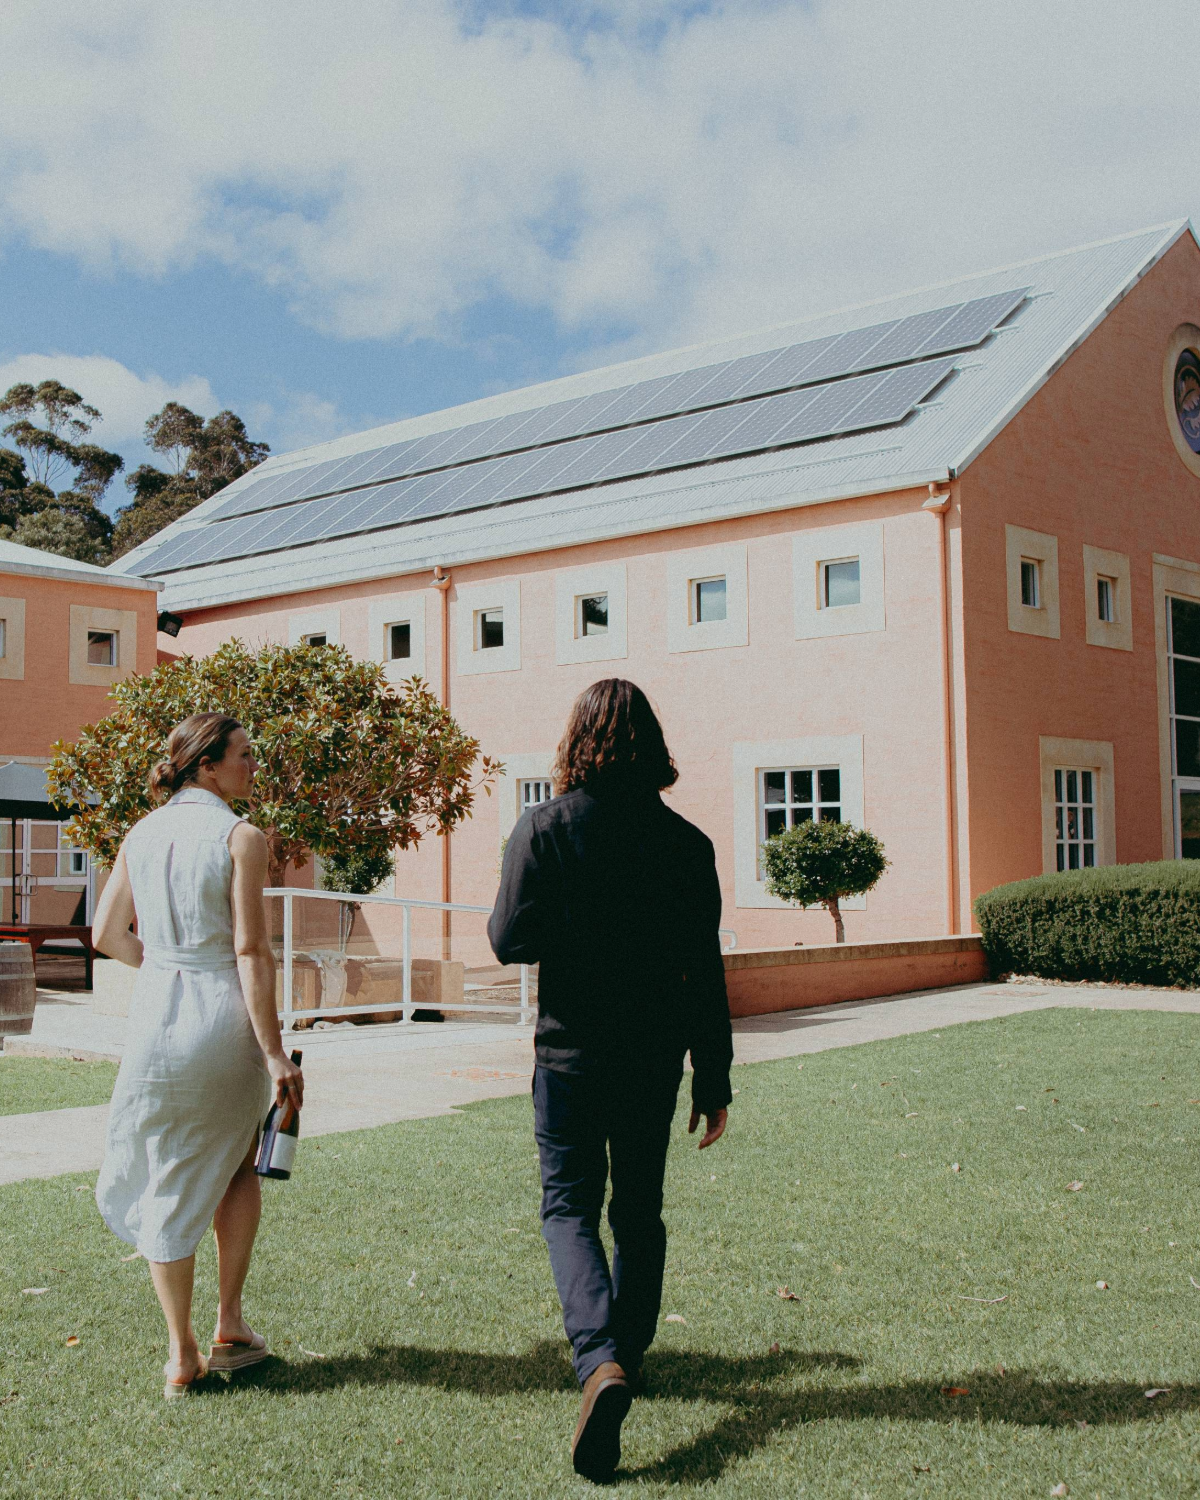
column 715, row 1123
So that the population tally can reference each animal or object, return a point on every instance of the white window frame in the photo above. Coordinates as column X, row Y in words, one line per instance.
column 519, row 767
column 812, row 550
column 1031, row 570
column 838, row 562
column 684, row 571
column 398, row 609
column 113, row 638
column 472, row 600
column 581, row 583
column 534, row 790
column 788, row 806
column 1075, row 792
column 1096, row 756
column 326, row 622
column 750, row 759
column 695, row 599
column 492, row 615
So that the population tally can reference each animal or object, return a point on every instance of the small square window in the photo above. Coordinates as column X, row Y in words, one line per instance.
column 399, row 641
column 591, row 614
column 788, row 798
column 102, row 648
column 535, row 791
column 315, row 638
column 490, row 629
column 840, row 584
column 1106, row 600
column 1031, row 583
column 708, row 600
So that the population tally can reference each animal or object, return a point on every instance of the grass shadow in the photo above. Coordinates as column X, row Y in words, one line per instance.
column 544, row 1367
column 758, row 1410
column 1019, row 1397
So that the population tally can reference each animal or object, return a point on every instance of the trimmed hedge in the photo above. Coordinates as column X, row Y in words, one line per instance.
column 1139, row 924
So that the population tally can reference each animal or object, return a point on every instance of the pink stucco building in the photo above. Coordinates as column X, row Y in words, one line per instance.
column 931, row 565
column 68, row 632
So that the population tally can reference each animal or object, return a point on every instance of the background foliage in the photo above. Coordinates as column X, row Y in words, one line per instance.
column 347, row 765
column 818, row 863
column 1135, row 923
column 52, row 481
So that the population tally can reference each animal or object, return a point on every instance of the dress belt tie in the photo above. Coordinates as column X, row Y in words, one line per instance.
column 194, row 960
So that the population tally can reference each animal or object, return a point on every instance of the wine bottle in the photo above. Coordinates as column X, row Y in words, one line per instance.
column 280, row 1132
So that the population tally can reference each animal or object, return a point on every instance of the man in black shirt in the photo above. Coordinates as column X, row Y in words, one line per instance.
column 616, row 897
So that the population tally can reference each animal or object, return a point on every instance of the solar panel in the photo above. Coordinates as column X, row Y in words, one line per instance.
column 875, row 399
column 879, row 345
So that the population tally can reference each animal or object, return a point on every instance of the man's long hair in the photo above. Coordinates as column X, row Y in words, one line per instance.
column 613, row 742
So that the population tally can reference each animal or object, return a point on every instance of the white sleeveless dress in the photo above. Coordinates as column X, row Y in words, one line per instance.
column 192, row 1087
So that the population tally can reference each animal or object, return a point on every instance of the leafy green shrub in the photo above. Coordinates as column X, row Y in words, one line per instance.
column 1136, row 923
column 818, row 863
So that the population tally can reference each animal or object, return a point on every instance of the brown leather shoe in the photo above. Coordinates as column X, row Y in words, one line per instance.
column 596, row 1448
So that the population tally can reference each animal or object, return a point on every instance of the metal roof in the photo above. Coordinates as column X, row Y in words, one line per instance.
column 1069, row 295
column 14, row 558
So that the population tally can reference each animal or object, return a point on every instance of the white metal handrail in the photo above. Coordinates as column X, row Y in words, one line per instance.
column 288, row 895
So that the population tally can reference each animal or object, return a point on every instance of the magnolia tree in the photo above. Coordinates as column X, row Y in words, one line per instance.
column 819, row 863
column 349, row 768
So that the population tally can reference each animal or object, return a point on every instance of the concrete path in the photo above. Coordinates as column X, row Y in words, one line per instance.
column 358, row 1077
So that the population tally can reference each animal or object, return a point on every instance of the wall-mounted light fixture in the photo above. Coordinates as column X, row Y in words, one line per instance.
column 168, row 623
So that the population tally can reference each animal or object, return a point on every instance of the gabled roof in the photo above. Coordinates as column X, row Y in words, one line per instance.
column 33, row 561
column 1066, row 296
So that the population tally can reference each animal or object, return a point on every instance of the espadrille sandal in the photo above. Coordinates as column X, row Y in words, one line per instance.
column 173, row 1389
column 237, row 1354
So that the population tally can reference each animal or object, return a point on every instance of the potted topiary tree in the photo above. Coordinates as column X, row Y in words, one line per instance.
column 819, row 863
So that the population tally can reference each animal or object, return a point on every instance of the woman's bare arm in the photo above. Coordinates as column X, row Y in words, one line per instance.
column 110, row 925
column 256, row 962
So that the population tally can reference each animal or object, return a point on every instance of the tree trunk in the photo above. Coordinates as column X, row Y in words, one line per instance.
column 276, row 861
column 835, row 912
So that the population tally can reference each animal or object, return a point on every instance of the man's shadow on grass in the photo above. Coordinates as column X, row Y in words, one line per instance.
column 755, row 1388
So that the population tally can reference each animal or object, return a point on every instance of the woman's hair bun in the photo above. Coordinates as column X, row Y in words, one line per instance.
column 162, row 779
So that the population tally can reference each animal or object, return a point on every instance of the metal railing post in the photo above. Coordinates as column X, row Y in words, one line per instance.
column 287, row 964
column 525, row 1008
column 406, row 995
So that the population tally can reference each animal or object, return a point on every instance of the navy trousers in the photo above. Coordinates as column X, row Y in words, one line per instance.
column 589, row 1127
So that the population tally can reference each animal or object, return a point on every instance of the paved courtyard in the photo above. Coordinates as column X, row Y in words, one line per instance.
column 359, row 1076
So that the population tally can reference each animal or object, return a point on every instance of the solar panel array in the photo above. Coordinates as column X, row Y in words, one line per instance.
column 877, row 347
column 674, row 422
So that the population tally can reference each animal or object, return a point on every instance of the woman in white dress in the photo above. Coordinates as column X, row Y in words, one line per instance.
column 204, row 1045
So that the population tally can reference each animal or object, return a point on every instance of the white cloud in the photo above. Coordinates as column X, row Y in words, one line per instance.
column 124, row 398
column 389, row 163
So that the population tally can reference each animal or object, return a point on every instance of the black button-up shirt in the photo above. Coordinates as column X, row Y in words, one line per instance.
column 616, row 897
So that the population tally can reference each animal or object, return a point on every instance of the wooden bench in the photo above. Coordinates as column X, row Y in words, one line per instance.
column 35, row 934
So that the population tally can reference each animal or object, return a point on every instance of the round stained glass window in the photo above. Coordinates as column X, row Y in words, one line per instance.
column 1187, row 397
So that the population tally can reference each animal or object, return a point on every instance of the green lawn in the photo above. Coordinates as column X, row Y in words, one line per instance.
column 33, row 1083
column 403, row 1282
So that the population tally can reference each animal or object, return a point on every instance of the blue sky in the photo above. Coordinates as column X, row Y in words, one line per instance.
column 332, row 217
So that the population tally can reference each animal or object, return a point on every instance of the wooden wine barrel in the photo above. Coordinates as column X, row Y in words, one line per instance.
column 18, row 989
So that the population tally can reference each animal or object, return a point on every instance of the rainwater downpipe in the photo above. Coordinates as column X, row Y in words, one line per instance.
column 441, row 582
column 940, row 498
